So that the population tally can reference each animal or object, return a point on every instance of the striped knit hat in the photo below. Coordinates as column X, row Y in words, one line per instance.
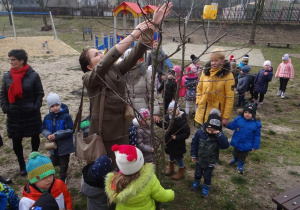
column 38, row 167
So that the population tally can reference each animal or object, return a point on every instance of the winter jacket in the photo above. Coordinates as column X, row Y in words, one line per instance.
column 246, row 134
column 205, row 147
column 261, row 81
column 115, row 128
column 161, row 67
column 191, row 85
column 182, row 90
column 8, row 198
column 58, row 190
column 243, row 83
column 170, row 91
column 23, row 116
column 141, row 193
column 176, row 147
column 285, row 70
column 139, row 86
column 144, row 144
column 61, row 125
column 219, row 93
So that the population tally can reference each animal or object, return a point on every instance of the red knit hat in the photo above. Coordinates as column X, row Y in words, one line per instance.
column 129, row 158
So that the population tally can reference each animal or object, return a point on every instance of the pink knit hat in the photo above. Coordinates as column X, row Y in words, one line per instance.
column 191, row 72
column 177, row 69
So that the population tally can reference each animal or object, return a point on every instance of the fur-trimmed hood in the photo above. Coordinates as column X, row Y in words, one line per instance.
column 222, row 72
column 134, row 188
column 257, row 115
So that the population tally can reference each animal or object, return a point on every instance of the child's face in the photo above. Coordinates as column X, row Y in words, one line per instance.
column 171, row 111
column 284, row 61
column 55, row 108
column 216, row 62
column 211, row 131
column 45, row 183
column 148, row 121
column 170, row 76
column 247, row 115
column 245, row 62
column 266, row 68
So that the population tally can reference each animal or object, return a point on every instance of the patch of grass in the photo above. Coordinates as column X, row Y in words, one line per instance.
column 271, row 132
column 239, row 180
column 294, row 173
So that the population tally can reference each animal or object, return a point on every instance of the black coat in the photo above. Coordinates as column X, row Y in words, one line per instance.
column 176, row 147
column 23, row 116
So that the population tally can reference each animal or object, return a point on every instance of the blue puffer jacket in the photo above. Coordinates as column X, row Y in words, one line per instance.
column 61, row 125
column 246, row 133
column 191, row 86
column 243, row 83
column 261, row 81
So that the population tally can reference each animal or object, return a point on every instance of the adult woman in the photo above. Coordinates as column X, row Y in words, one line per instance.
column 102, row 71
column 21, row 99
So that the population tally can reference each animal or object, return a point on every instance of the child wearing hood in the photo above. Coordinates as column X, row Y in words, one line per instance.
column 175, row 145
column 205, row 150
column 135, row 186
column 58, row 127
column 190, row 83
column 285, row 72
column 246, row 136
column 182, row 89
column 243, row 84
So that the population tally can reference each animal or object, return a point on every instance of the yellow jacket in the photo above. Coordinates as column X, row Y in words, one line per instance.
column 215, row 90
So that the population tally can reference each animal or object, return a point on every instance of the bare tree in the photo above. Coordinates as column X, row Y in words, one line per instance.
column 8, row 5
column 258, row 12
column 43, row 6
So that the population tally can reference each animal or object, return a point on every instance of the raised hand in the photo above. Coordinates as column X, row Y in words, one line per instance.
column 161, row 12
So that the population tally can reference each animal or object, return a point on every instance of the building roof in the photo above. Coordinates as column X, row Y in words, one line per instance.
column 149, row 9
column 126, row 7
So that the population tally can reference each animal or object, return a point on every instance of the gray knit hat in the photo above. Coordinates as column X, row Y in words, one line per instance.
column 52, row 98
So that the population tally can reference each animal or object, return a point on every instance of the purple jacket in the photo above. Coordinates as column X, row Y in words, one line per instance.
column 261, row 81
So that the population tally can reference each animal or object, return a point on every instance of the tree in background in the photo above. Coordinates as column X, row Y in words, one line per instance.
column 43, row 6
column 8, row 5
column 258, row 12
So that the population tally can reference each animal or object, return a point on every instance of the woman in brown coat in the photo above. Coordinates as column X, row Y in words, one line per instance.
column 101, row 71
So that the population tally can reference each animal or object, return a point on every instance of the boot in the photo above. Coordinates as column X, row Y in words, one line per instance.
column 170, row 169
column 240, row 167
column 22, row 167
column 195, row 185
column 179, row 174
column 5, row 181
column 233, row 161
column 205, row 190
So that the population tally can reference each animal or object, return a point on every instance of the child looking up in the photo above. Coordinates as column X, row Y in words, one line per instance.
column 261, row 82
column 246, row 136
column 205, row 150
column 285, row 71
column 58, row 126
column 215, row 88
column 41, row 180
column 175, row 140
column 135, row 186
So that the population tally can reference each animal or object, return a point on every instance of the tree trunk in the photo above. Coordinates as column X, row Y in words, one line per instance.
column 45, row 21
column 10, row 19
column 259, row 9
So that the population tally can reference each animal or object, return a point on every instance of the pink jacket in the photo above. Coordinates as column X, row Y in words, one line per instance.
column 182, row 90
column 285, row 70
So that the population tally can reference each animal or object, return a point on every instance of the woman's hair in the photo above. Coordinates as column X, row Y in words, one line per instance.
column 121, row 181
column 84, row 60
column 19, row 54
column 218, row 52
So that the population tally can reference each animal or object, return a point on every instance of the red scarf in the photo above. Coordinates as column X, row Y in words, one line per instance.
column 15, row 90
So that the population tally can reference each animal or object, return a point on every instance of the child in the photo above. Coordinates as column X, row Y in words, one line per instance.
column 8, row 198
column 243, row 84
column 205, row 150
column 191, row 83
column 244, row 62
column 175, row 140
column 144, row 136
column 58, row 126
column 45, row 202
column 196, row 64
column 41, row 180
column 261, row 82
column 182, row 89
column 93, row 183
column 246, row 136
column 215, row 88
column 285, row 71
column 170, row 90
column 135, row 186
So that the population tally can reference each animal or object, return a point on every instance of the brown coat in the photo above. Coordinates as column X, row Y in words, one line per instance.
column 115, row 128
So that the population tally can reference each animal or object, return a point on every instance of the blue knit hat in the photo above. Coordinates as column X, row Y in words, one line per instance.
column 246, row 69
column 101, row 167
column 38, row 167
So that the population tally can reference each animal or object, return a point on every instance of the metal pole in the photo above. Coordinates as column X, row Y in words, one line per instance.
column 207, row 28
column 12, row 18
column 53, row 26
